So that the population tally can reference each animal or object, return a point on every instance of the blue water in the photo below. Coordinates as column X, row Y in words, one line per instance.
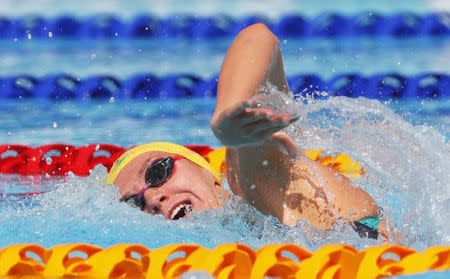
column 401, row 151
column 404, row 154
column 123, row 58
column 127, row 123
column 403, row 145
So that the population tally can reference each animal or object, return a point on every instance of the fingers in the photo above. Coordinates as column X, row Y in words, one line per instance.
column 265, row 127
column 249, row 112
column 253, row 116
column 293, row 119
column 266, row 133
column 240, row 108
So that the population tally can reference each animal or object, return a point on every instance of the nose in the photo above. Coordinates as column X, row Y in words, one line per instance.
column 154, row 200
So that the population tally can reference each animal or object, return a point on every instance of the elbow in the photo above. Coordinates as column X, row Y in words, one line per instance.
column 258, row 32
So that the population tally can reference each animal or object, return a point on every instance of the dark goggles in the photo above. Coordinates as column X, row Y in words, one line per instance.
column 156, row 175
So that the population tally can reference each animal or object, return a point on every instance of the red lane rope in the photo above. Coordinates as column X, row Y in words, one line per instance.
column 60, row 159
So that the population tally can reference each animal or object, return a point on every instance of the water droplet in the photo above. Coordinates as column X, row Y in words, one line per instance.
column 109, row 133
column 111, row 100
column 50, row 34
column 97, row 147
column 265, row 163
column 9, row 134
column 29, row 36
column 93, row 56
column 253, row 187
column 55, row 125
column 48, row 160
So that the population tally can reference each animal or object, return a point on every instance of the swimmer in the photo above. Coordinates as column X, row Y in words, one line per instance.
column 168, row 179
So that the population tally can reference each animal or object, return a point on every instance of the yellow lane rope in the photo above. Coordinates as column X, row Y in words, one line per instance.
column 338, row 161
column 225, row 261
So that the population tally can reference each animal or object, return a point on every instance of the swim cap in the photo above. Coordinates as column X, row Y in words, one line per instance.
column 161, row 147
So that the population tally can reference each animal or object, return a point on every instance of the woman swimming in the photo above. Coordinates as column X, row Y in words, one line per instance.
column 263, row 165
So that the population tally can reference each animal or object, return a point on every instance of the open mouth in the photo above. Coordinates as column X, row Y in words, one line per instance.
column 181, row 210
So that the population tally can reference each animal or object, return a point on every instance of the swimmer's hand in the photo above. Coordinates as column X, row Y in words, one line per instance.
column 246, row 124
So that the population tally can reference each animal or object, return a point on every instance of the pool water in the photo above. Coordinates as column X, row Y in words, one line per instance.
column 123, row 58
column 405, row 157
column 404, row 146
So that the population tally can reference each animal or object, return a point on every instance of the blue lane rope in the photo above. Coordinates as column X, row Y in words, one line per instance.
column 147, row 86
column 291, row 25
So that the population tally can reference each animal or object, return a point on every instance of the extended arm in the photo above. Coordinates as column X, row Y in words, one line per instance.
column 253, row 59
column 259, row 170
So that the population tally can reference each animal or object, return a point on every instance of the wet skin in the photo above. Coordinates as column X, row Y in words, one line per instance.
column 189, row 184
column 264, row 166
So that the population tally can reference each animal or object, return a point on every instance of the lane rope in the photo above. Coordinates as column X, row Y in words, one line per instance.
column 60, row 159
column 204, row 27
column 147, row 86
column 225, row 261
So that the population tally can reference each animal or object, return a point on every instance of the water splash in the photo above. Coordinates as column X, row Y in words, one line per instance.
column 407, row 166
column 406, row 175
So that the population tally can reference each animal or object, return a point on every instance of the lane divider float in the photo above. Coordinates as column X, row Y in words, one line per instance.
column 225, row 261
column 147, row 86
column 102, row 26
column 60, row 159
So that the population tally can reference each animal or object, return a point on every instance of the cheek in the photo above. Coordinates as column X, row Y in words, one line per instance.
column 193, row 180
column 128, row 187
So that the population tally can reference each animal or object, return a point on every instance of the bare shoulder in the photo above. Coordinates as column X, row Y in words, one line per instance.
column 322, row 195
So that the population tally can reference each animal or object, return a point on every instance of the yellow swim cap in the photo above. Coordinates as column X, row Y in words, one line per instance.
column 161, row 147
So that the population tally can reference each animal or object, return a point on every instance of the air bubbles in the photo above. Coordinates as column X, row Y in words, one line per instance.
column 48, row 160
column 265, row 163
column 55, row 124
column 50, row 34
column 111, row 100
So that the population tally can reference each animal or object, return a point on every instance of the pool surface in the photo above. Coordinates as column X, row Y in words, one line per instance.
column 403, row 145
column 400, row 159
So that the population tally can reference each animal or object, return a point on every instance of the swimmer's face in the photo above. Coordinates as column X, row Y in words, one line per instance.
column 189, row 188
